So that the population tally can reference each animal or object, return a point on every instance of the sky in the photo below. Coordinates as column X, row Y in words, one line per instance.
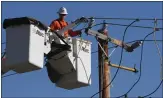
column 37, row 83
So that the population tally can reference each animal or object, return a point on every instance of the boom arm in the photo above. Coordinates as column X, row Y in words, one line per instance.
column 56, row 35
column 70, row 26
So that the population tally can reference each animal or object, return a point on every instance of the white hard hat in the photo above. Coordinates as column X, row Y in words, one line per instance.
column 62, row 10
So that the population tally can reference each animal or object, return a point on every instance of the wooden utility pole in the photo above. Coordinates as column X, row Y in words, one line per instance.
column 106, row 77
column 104, row 63
column 101, row 67
column 104, row 69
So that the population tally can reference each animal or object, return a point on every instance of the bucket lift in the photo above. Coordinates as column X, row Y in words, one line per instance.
column 69, row 66
column 28, row 40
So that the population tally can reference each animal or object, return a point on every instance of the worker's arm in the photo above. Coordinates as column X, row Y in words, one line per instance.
column 74, row 33
column 54, row 26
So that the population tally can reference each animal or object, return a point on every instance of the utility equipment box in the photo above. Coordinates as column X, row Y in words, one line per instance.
column 25, row 44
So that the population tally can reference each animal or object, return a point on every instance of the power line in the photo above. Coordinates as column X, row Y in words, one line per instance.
column 125, row 18
column 144, row 40
column 17, row 73
column 140, row 67
column 158, row 49
column 127, row 25
column 3, row 43
column 154, row 90
column 3, row 55
column 9, row 75
column 136, row 26
column 119, row 62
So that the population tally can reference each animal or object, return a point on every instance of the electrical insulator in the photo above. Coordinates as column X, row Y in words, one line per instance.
column 91, row 22
column 104, row 27
column 136, row 44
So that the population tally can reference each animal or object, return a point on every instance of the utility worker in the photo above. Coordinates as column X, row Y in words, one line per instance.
column 60, row 23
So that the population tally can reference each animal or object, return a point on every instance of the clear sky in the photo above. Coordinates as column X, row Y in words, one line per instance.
column 37, row 83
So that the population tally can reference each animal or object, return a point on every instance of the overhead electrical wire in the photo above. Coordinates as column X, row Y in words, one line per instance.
column 154, row 90
column 9, row 75
column 136, row 26
column 3, row 55
column 3, row 43
column 110, row 18
column 119, row 62
column 141, row 58
column 45, row 59
column 158, row 49
column 144, row 41
column 127, row 25
column 16, row 72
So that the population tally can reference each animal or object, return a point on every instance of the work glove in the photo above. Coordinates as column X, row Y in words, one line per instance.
column 79, row 32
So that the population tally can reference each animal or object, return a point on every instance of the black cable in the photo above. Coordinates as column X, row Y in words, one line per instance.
column 18, row 73
column 132, row 26
column 143, row 40
column 9, row 75
column 126, row 25
column 119, row 62
column 151, row 40
column 125, row 18
column 139, row 69
column 154, row 90
column 3, row 55
column 3, row 43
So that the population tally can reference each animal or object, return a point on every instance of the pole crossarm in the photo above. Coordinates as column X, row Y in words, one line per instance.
column 123, row 67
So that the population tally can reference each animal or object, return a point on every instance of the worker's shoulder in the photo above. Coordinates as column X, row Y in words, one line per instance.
column 55, row 21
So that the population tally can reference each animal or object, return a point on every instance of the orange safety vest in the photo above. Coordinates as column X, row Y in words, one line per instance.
column 58, row 25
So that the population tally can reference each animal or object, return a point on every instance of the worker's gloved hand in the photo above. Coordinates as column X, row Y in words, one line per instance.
column 79, row 32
